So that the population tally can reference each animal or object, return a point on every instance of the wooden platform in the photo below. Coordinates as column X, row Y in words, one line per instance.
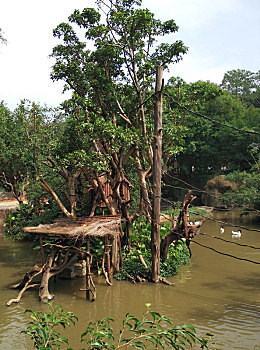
column 96, row 226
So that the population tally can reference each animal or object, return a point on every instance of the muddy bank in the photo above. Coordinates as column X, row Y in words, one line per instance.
column 7, row 204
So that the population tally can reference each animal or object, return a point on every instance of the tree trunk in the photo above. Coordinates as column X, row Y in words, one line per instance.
column 181, row 227
column 44, row 294
column 157, row 176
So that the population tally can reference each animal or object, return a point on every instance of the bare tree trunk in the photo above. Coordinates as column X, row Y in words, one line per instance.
column 157, row 177
column 114, row 255
column 44, row 294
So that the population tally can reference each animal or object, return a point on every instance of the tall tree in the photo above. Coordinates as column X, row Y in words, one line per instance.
column 241, row 82
column 111, row 74
column 21, row 141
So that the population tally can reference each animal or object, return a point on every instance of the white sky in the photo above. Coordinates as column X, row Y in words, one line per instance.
column 221, row 35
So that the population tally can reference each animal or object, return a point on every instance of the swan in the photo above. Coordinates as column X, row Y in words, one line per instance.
column 236, row 233
column 222, row 229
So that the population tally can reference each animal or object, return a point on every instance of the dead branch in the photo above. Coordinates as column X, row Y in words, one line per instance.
column 142, row 259
column 104, row 270
column 26, row 286
column 47, row 188
column 131, row 278
column 36, row 268
column 21, row 293
column 165, row 281
column 82, row 251
column 181, row 228
column 91, row 290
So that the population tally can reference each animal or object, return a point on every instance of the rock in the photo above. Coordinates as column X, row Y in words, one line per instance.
column 76, row 269
column 80, row 268
column 214, row 188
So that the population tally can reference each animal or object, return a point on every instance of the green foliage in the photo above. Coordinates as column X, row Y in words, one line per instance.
column 97, row 251
column 151, row 330
column 23, row 136
column 141, row 241
column 28, row 215
column 44, row 327
column 109, row 64
column 208, row 148
column 241, row 82
column 14, row 222
column 246, row 195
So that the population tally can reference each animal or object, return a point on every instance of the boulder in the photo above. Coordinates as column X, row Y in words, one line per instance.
column 214, row 188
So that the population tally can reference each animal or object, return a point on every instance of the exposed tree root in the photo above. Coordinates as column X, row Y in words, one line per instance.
column 140, row 279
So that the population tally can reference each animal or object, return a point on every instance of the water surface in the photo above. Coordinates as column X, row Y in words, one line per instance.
column 214, row 293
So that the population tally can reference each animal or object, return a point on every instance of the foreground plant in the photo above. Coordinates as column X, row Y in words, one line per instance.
column 152, row 331
column 43, row 327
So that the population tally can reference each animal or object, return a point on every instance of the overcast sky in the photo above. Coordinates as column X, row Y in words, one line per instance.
column 221, row 35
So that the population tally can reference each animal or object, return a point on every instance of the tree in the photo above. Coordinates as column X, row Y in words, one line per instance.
column 195, row 156
column 241, row 82
column 111, row 77
column 14, row 156
column 209, row 149
column 246, row 195
column 21, row 140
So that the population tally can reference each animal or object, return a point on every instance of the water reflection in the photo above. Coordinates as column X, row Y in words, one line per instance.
column 215, row 293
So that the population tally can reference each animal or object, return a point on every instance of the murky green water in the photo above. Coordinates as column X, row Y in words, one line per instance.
column 215, row 293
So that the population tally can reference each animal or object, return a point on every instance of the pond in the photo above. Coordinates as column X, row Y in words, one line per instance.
column 214, row 293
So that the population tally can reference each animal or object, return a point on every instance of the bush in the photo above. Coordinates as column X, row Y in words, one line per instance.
column 28, row 215
column 141, row 243
column 14, row 222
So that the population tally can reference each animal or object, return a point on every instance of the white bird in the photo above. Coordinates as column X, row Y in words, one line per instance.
column 222, row 229
column 236, row 233
column 196, row 223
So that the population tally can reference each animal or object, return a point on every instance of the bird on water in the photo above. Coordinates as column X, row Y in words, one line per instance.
column 236, row 233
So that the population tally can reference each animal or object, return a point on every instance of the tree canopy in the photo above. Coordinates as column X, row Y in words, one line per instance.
column 108, row 59
column 241, row 82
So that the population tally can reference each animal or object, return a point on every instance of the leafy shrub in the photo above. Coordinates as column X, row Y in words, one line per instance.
column 15, row 221
column 141, row 243
column 152, row 330
column 28, row 215
column 43, row 327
